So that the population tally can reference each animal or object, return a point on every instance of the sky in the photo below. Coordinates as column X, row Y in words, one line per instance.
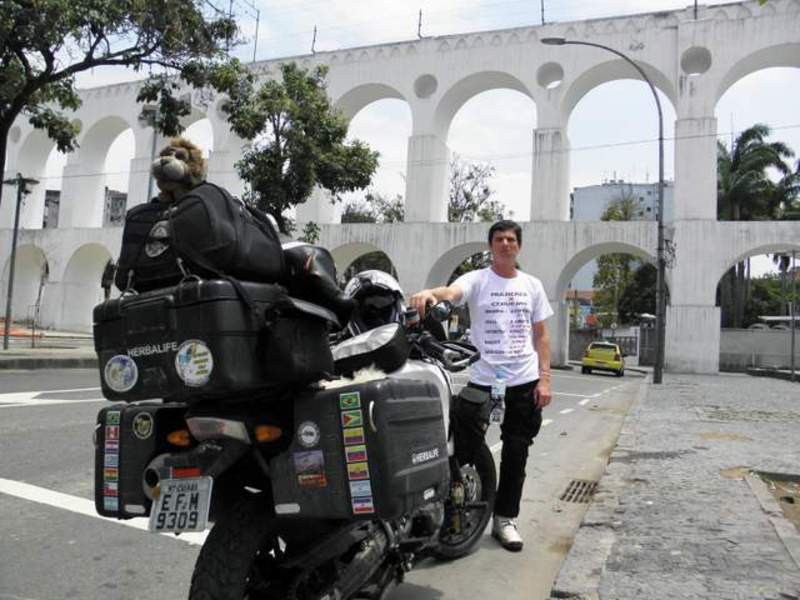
column 605, row 130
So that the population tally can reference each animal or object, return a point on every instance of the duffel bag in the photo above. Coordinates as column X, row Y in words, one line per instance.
column 206, row 232
column 311, row 275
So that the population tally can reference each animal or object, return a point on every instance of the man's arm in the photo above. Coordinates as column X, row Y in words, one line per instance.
column 541, row 340
column 422, row 299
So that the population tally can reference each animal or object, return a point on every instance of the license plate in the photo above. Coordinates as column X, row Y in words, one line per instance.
column 182, row 505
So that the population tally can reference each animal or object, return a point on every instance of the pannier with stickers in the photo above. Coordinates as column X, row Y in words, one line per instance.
column 200, row 339
column 127, row 438
column 369, row 449
column 206, row 232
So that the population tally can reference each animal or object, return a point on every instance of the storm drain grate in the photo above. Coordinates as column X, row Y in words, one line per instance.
column 579, row 490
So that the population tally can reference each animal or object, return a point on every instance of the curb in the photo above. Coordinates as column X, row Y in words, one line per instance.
column 41, row 362
column 581, row 572
column 787, row 533
column 773, row 373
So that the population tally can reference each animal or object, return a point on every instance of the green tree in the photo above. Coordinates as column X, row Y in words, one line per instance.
column 46, row 43
column 298, row 142
column 614, row 271
column 640, row 295
column 375, row 208
column 470, row 193
column 746, row 192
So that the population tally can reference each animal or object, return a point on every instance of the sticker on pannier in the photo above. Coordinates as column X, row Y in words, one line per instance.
column 194, row 363
column 121, row 373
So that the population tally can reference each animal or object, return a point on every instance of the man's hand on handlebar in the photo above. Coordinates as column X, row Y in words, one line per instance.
column 421, row 301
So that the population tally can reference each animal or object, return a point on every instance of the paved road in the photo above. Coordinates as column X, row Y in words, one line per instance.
column 54, row 546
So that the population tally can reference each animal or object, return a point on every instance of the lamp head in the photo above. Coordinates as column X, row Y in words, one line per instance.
column 553, row 41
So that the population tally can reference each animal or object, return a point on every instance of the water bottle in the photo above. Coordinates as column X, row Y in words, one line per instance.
column 498, row 395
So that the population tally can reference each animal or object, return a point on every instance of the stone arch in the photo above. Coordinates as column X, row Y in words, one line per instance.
column 605, row 72
column 445, row 265
column 81, row 285
column 352, row 101
column 459, row 93
column 588, row 253
column 30, row 271
column 346, row 254
column 779, row 55
column 738, row 256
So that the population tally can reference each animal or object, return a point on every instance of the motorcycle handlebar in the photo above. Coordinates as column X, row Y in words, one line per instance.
column 445, row 352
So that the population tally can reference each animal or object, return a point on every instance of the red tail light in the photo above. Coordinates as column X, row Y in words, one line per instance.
column 616, row 357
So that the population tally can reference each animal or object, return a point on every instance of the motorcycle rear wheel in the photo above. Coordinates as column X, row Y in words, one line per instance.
column 237, row 555
column 481, row 482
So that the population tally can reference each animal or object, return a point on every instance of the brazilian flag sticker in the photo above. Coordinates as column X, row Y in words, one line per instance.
column 349, row 400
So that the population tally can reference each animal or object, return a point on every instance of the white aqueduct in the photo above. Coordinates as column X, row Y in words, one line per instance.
column 692, row 61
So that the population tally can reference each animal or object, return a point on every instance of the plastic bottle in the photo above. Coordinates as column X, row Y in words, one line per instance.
column 498, row 395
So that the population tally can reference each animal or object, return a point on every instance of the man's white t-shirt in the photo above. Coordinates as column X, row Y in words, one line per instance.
column 502, row 312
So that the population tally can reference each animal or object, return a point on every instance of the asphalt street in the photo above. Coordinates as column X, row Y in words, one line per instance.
column 54, row 546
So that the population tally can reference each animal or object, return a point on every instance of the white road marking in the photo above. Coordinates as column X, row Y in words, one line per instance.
column 566, row 411
column 82, row 506
column 16, row 399
column 546, row 422
column 571, row 395
column 584, row 402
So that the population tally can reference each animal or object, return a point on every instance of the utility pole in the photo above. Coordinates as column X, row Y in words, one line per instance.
column 22, row 189
column 794, row 311
column 542, row 3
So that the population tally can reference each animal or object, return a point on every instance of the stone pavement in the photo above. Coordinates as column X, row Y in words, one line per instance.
column 678, row 513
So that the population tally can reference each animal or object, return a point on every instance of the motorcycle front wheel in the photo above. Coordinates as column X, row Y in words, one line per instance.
column 480, row 486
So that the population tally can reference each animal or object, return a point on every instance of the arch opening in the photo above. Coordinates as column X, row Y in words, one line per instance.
column 385, row 125
column 356, row 257
column 31, row 275
column 81, row 286
column 754, row 295
column 618, row 154
column 490, row 138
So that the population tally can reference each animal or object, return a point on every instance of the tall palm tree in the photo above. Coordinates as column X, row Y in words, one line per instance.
column 745, row 192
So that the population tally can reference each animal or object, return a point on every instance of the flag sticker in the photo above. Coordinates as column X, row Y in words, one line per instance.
column 111, row 504
column 360, row 489
column 310, row 469
column 110, row 488
column 358, row 471
column 363, row 506
column 111, row 460
column 349, row 400
column 353, row 436
column 352, row 418
column 112, row 417
column 112, row 445
column 356, row 453
column 112, row 432
column 111, row 474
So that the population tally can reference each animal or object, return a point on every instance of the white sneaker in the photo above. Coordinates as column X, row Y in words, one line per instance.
column 505, row 531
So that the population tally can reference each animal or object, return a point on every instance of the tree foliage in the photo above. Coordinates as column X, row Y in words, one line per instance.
column 615, row 272
column 747, row 192
column 470, row 193
column 375, row 208
column 44, row 44
column 298, row 141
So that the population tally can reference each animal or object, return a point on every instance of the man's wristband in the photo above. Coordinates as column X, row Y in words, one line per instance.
column 544, row 374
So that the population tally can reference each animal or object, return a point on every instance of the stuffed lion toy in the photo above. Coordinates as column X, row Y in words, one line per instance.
column 179, row 168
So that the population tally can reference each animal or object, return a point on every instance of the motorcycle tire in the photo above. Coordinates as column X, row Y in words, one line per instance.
column 225, row 566
column 486, row 473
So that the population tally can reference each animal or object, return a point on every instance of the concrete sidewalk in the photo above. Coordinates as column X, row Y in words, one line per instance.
column 681, row 511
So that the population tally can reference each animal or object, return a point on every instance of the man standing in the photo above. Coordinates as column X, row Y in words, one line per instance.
column 507, row 310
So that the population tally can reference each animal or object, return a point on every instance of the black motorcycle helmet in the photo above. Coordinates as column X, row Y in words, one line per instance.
column 378, row 298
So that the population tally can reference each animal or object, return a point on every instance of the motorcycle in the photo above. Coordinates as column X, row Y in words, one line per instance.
column 313, row 494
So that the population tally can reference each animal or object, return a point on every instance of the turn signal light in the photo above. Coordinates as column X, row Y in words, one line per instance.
column 180, row 437
column 267, row 433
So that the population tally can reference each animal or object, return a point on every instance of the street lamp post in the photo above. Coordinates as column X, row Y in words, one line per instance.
column 660, row 258
column 22, row 189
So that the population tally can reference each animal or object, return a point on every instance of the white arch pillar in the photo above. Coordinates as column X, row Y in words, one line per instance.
column 427, row 171
column 550, row 175
column 692, row 339
column 82, row 198
column 696, row 169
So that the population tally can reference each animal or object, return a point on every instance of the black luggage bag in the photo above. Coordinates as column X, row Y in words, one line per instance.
column 199, row 339
column 366, row 450
column 126, row 439
column 206, row 232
